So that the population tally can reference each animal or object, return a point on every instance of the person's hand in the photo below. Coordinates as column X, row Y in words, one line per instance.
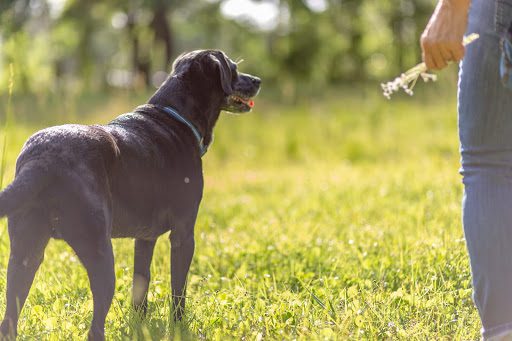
column 441, row 42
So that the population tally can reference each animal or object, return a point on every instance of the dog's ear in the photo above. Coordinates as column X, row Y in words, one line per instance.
column 225, row 71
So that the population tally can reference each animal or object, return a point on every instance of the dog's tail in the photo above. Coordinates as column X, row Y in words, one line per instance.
column 28, row 183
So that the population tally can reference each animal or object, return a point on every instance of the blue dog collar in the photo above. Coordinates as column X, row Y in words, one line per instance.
column 174, row 114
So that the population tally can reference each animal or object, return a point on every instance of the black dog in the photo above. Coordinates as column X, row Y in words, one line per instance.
column 138, row 176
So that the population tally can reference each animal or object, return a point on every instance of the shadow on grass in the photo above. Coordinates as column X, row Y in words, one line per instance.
column 158, row 324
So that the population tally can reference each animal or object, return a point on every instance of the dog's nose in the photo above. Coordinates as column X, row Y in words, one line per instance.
column 256, row 81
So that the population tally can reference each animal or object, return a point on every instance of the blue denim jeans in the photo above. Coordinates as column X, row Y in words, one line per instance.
column 485, row 129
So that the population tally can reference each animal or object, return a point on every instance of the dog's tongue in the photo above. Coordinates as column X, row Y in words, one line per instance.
column 249, row 102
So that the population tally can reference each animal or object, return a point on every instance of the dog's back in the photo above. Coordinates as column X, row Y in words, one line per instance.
column 56, row 156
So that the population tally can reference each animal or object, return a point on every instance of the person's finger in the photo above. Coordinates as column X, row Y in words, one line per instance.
column 446, row 54
column 437, row 58
column 431, row 54
column 452, row 52
column 427, row 58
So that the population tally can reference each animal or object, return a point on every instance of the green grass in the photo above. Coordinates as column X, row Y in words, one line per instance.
column 330, row 220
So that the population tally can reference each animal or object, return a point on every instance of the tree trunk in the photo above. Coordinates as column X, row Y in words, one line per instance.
column 162, row 30
column 140, row 66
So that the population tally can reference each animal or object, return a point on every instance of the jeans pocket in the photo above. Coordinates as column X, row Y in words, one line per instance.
column 503, row 15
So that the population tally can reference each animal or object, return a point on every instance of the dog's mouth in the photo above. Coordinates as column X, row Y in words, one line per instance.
column 239, row 99
column 238, row 103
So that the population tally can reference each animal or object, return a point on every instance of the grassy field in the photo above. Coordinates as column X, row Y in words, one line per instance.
column 333, row 220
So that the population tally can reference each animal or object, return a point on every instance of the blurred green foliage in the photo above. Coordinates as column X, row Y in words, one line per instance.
column 68, row 46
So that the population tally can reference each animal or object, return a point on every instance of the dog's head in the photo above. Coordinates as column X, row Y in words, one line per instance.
column 213, row 72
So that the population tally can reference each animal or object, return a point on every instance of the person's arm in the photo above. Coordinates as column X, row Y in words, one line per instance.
column 441, row 42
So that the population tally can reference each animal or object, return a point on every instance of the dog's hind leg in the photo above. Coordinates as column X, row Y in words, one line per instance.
column 86, row 226
column 98, row 259
column 29, row 232
column 141, row 273
column 182, row 251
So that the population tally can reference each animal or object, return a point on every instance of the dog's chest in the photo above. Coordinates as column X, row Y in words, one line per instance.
column 152, row 208
column 154, row 182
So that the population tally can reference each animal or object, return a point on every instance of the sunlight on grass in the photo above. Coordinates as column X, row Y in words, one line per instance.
column 330, row 220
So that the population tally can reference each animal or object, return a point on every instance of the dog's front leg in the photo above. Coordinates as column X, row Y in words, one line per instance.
column 182, row 250
column 141, row 274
